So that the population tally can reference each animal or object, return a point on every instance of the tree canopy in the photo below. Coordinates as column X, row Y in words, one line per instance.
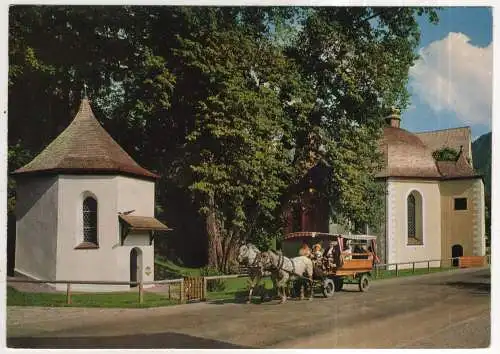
column 232, row 105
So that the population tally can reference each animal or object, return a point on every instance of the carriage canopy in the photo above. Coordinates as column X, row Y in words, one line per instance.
column 322, row 235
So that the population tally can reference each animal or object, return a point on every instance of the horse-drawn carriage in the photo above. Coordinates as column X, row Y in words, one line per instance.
column 350, row 258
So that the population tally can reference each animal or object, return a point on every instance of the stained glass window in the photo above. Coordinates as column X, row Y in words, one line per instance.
column 90, row 220
column 411, row 216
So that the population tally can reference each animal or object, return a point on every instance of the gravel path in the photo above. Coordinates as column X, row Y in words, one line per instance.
column 438, row 310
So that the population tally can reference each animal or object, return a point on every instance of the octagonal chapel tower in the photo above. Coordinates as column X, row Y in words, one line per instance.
column 85, row 210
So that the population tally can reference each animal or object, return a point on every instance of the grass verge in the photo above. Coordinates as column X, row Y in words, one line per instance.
column 387, row 274
column 231, row 289
column 105, row 300
column 168, row 269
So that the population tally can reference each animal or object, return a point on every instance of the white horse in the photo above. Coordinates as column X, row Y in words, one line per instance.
column 287, row 269
column 249, row 255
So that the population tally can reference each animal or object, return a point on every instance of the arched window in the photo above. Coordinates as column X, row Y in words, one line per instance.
column 411, row 216
column 90, row 220
column 414, row 219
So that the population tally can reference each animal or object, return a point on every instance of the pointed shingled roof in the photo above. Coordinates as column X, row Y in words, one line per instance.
column 84, row 147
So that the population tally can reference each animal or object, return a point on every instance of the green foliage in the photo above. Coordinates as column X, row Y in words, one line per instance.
column 446, row 154
column 232, row 106
column 481, row 156
column 17, row 157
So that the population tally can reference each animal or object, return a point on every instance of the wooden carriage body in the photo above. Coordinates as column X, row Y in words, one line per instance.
column 352, row 267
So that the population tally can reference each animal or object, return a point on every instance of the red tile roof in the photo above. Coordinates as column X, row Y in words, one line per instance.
column 406, row 155
column 457, row 169
column 453, row 138
column 84, row 147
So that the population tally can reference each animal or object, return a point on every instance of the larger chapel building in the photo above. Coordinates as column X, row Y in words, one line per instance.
column 433, row 209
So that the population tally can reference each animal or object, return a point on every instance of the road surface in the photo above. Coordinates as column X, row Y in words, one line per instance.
column 441, row 310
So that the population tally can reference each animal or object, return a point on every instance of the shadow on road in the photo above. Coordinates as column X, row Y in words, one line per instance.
column 140, row 341
column 475, row 287
column 484, row 276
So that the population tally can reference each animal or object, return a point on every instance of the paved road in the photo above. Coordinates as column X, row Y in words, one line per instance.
column 442, row 310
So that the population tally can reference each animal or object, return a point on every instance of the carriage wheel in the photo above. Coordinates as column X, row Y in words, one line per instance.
column 328, row 287
column 339, row 284
column 364, row 283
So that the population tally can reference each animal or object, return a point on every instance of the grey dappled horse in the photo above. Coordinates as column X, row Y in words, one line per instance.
column 287, row 269
column 249, row 255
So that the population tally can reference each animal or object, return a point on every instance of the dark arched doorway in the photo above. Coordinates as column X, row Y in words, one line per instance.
column 135, row 266
column 456, row 251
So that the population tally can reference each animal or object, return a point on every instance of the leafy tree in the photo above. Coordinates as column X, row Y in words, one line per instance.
column 236, row 152
column 357, row 60
column 233, row 106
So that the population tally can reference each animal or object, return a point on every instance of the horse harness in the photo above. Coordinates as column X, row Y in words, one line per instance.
column 281, row 262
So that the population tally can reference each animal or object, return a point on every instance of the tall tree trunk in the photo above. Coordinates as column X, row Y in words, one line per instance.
column 214, row 236
column 229, row 251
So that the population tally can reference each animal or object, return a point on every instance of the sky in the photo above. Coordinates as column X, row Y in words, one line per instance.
column 451, row 83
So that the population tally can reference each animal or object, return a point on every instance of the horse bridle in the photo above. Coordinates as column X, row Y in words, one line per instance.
column 256, row 262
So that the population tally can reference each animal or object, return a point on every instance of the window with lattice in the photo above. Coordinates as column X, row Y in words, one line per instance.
column 411, row 216
column 90, row 220
column 414, row 219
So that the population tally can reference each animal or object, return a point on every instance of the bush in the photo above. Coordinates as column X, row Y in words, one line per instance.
column 213, row 285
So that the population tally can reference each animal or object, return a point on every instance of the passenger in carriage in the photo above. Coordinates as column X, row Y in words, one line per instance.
column 305, row 250
column 332, row 254
column 331, row 249
column 347, row 250
column 317, row 251
column 358, row 252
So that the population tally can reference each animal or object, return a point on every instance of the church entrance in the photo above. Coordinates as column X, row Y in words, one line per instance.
column 135, row 266
column 456, row 251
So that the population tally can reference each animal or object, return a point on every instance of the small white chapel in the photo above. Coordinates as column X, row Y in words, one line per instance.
column 85, row 211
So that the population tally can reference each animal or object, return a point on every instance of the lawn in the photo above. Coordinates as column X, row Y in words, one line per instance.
column 166, row 269
column 235, row 288
column 385, row 274
column 120, row 300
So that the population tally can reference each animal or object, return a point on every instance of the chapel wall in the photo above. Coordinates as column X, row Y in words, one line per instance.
column 36, row 227
column 398, row 248
column 463, row 227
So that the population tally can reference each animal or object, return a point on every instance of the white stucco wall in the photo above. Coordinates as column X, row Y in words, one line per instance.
column 138, row 195
column 111, row 261
column 36, row 227
column 397, row 248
